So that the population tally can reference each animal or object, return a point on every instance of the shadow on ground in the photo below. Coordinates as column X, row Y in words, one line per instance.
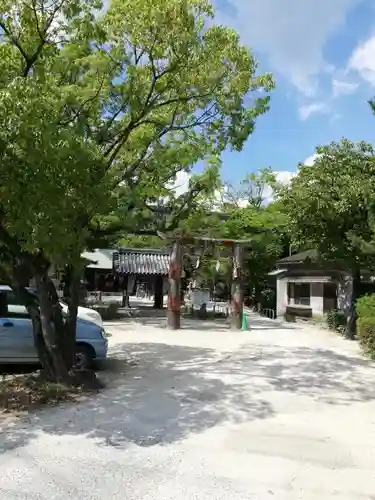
column 148, row 316
column 159, row 393
column 321, row 374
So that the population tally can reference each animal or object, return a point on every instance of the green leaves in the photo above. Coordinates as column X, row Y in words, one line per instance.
column 98, row 107
column 330, row 205
column 183, row 80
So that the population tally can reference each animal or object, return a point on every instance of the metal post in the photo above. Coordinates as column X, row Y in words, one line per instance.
column 237, row 291
column 174, row 292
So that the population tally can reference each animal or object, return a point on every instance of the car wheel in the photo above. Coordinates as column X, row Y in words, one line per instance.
column 84, row 357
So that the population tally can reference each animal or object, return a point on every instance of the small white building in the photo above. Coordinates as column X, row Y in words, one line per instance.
column 304, row 288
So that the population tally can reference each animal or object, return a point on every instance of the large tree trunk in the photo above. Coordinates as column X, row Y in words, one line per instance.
column 52, row 325
column 66, row 284
column 69, row 338
column 351, row 324
column 45, row 311
column 32, row 306
column 20, row 281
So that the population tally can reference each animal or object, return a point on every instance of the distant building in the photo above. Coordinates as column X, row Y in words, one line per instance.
column 306, row 287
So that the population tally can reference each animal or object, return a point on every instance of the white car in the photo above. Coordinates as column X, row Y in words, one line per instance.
column 17, row 340
column 85, row 313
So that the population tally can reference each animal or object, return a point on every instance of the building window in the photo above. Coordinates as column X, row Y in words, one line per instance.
column 299, row 294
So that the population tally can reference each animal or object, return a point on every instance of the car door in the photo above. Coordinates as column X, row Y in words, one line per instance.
column 6, row 344
column 16, row 332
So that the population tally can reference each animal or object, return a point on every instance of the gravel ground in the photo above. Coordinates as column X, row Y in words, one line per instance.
column 280, row 411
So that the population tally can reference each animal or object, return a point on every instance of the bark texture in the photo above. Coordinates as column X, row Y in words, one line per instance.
column 174, row 301
column 20, row 281
column 237, row 289
column 351, row 324
column 52, row 326
column 49, row 328
column 69, row 332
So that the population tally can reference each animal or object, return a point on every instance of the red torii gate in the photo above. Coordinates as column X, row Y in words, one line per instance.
column 174, row 291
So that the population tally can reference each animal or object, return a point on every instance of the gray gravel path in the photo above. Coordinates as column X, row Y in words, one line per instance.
column 280, row 412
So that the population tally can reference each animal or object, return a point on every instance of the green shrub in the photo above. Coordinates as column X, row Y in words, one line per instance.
column 365, row 306
column 336, row 320
column 366, row 335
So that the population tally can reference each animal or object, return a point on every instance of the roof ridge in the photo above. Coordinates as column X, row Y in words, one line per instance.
column 156, row 251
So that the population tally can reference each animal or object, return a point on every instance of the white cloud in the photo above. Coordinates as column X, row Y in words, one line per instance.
column 181, row 183
column 310, row 109
column 362, row 60
column 181, row 186
column 310, row 160
column 282, row 177
column 341, row 87
column 292, row 34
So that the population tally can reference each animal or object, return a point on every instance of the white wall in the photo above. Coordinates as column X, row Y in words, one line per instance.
column 316, row 297
column 281, row 296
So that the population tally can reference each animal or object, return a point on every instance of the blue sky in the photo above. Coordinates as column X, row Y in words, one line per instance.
column 322, row 55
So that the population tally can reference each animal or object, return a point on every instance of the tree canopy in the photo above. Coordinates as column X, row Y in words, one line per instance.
column 330, row 204
column 101, row 108
column 91, row 100
column 330, row 207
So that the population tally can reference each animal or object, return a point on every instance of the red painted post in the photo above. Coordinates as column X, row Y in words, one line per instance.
column 237, row 290
column 174, row 291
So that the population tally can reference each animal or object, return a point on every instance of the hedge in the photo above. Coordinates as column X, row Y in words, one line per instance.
column 365, row 308
column 336, row 320
column 366, row 335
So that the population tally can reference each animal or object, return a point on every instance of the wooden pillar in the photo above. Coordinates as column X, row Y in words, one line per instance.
column 174, row 278
column 125, row 292
column 237, row 290
column 158, row 292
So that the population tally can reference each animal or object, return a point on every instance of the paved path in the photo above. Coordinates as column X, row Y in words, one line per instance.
column 277, row 412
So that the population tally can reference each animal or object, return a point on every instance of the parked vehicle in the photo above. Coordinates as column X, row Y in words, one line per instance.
column 16, row 335
column 85, row 313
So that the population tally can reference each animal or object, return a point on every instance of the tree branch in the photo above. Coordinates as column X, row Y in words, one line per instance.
column 31, row 59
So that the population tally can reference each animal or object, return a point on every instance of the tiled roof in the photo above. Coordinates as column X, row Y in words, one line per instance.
column 299, row 258
column 141, row 261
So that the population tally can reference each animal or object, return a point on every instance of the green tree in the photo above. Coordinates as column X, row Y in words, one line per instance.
column 254, row 191
column 330, row 206
column 96, row 103
column 243, row 213
column 254, row 216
